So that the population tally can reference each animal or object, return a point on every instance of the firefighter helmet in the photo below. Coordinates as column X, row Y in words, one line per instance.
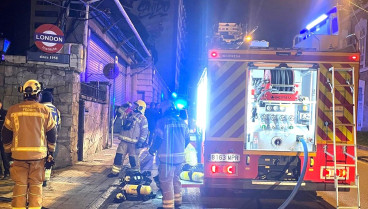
column 31, row 87
column 141, row 106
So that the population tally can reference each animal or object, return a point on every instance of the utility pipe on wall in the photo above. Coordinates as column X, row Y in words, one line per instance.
column 122, row 10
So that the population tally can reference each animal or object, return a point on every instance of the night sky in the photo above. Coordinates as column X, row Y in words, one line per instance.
column 278, row 22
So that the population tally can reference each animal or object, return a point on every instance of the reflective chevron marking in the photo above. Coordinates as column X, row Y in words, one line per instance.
column 227, row 102
column 343, row 97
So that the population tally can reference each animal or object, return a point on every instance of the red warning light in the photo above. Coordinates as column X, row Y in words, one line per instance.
column 230, row 169
column 214, row 169
column 354, row 57
column 214, row 54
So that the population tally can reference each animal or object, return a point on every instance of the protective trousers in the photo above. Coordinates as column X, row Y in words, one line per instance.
column 28, row 177
column 3, row 160
column 123, row 149
column 170, row 185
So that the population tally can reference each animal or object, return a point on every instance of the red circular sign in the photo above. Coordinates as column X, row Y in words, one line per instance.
column 49, row 38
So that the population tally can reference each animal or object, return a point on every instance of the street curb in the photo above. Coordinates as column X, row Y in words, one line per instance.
column 362, row 147
column 101, row 200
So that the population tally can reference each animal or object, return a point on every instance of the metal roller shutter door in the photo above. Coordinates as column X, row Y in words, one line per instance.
column 98, row 57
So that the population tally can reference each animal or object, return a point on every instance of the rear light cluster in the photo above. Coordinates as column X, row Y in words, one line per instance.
column 329, row 172
column 226, row 169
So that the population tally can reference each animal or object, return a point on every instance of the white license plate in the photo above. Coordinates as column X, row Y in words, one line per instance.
column 225, row 158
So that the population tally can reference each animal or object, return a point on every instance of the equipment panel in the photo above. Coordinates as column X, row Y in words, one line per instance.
column 281, row 108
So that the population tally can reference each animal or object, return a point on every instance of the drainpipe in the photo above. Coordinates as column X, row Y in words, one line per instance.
column 122, row 10
column 81, row 130
column 85, row 41
column 111, row 136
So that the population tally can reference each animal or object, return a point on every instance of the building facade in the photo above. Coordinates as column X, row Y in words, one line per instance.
column 165, row 23
column 97, row 35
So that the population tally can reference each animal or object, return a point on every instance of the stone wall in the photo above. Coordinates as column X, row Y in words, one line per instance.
column 64, row 81
column 95, row 128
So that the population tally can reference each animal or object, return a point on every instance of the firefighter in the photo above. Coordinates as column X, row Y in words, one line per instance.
column 132, row 136
column 3, row 158
column 171, row 138
column 47, row 100
column 29, row 136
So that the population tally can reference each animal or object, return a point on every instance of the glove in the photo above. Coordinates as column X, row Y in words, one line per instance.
column 49, row 161
column 152, row 151
column 139, row 145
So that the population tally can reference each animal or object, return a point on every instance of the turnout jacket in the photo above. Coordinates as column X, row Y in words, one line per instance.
column 29, row 131
column 172, row 136
column 134, row 127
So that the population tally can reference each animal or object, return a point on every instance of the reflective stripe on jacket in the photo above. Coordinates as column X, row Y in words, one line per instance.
column 173, row 132
column 138, row 130
column 29, row 121
column 55, row 113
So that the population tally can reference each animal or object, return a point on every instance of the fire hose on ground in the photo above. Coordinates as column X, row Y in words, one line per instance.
column 301, row 177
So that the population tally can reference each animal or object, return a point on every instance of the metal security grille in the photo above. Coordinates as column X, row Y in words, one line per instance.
column 99, row 55
column 93, row 93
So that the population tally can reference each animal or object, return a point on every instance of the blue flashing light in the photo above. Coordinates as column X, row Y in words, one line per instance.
column 174, row 95
column 335, row 26
column 303, row 31
column 181, row 104
column 316, row 21
column 333, row 10
column 320, row 21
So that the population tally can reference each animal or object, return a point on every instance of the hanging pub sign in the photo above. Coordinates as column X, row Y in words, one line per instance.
column 49, row 38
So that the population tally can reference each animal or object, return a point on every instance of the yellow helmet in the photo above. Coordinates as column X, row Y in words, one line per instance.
column 31, row 87
column 141, row 106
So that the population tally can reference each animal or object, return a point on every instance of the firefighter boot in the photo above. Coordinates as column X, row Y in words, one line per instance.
column 115, row 170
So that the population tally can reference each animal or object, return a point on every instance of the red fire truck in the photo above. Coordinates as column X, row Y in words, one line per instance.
column 254, row 106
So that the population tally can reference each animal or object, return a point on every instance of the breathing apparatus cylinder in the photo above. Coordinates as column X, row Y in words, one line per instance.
column 137, row 189
column 192, row 176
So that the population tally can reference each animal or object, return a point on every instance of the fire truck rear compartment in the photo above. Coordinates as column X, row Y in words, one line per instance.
column 279, row 168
